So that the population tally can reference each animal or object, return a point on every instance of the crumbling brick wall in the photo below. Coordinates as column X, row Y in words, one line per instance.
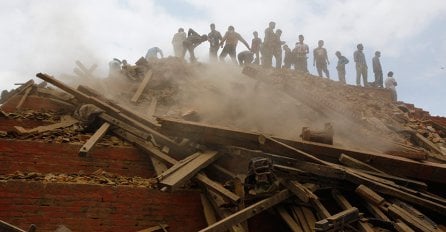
column 34, row 156
column 84, row 207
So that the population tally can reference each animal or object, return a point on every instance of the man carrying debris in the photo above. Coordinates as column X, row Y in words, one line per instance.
column 268, row 44
column 361, row 66
column 245, row 57
column 192, row 41
column 214, row 38
column 152, row 53
column 342, row 61
column 300, row 52
column 320, row 59
column 390, row 83
column 255, row 47
column 230, row 40
column 377, row 69
column 177, row 42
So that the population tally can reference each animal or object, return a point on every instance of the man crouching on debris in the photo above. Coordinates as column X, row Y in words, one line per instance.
column 192, row 41
column 231, row 38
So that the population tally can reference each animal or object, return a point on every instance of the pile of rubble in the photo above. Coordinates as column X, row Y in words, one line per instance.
column 100, row 177
column 372, row 168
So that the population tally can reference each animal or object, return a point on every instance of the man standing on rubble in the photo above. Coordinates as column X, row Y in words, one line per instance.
column 377, row 69
column 288, row 60
column 114, row 68
column 390, row 83
column 342, row 61
column 177, row 42
column 192, row 41
column 230, row 40
column 277, row 48
column 268, row 44
column 361, row 65
column 320, row 59
column 152, row 53
column 214, row 38
column 300, row 52
column 255, row 47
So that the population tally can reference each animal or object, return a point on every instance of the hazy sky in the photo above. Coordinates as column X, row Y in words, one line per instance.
column 48, row 36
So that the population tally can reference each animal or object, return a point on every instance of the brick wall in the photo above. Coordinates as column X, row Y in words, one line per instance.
column 36, row 103
column 83, row 207
column 33, row 156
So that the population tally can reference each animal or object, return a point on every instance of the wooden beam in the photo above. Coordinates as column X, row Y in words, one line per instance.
column 66, row 121
column 248, row 212
column 209, row 213
column 299, row 190
column 217, row 201
column 203, row 179
column 206, row 134
column 288, row 219
column 16, row 91
column 343, row 202
column 142, row 86
column 184, row 173
column 338, row 220
column 94, row 139
column 357, row 164
column 4, row 226
column 22, row 100
column 300, row 216
column 158, row 165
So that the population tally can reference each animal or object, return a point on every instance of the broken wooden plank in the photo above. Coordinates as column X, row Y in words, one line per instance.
column 155, row 228
column 322, row 212
column 299, row 190
column 248, row 212
column 184, row 173
column 201, row 177
column 16, row 91
column 345, row 204
column 4, row 226
column 217, row 201
column 288, row 219
column 94, row 139
column 142, row 86
column 66, row 121
column 158, row 165
column 309, row 217
column 209, row 213
column 339, row 220
column 306, row 227
column 22, row 100
column 354, row 163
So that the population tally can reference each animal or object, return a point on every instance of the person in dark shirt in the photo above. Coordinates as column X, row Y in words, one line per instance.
column 268, row 44
column 214, row 38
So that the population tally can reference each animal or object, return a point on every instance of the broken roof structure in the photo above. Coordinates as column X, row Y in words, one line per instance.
column 215, row 147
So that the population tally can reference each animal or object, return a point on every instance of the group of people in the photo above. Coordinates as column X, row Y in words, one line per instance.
column 262, row 53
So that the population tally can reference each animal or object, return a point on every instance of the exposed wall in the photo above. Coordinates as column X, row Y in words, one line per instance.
column 82, row 207
column 33, row 156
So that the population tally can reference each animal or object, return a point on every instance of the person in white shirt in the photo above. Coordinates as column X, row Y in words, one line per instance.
column 390, row 83
column 177, row 42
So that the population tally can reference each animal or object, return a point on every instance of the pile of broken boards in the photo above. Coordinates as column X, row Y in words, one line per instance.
column 310, row 186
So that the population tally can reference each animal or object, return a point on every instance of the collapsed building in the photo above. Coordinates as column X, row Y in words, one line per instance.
column 215, row 147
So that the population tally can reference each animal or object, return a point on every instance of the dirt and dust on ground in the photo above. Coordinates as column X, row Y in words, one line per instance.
column 220, row 94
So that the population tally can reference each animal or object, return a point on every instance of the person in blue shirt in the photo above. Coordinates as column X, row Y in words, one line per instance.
column 153, row 53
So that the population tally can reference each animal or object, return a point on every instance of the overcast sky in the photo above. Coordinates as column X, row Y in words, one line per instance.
column 48, row 36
